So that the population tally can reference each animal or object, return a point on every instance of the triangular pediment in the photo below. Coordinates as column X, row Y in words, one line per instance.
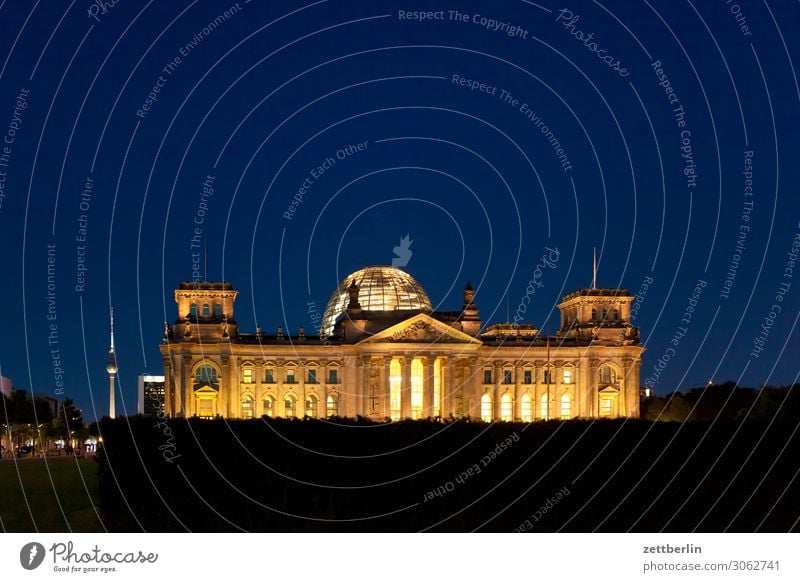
column 609, row 390
column 421, row 328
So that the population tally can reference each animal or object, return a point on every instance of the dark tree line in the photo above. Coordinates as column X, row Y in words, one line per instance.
column 32, row 419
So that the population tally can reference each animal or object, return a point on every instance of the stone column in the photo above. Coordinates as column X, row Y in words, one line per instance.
column 258, row 370
column 280, row 396
column 322, row 379
column 169, row 388
column 186, row 393
column 498, row 390
column 405, row 389
column 448, row 386
column 301, row 388
column 517, row 391
column 386, row 383
column 427, row 386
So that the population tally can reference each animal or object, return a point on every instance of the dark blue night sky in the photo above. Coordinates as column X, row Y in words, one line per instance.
column 663, row 133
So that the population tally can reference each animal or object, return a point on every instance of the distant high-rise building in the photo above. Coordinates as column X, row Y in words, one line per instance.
column 151, row 395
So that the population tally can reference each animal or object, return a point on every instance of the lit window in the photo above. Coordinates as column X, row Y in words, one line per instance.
column 506, row 408
column 486, row 408
column 331, row 406
column 527, row 377
column 290, row 379
column 608, row 375
column 605, row 407
column 567, row 373
column 193, row 310
column 416, row 388
column 206, row 310
column 205, row 408
column 247, row 375
column 217, row 310
column 290, row 407
column 487, row 376
column 395, row 380
column 525, row 408
column 269, row 376
column 545, row 407
column 312, row 377
column 333, row 376
column 311, row 406
column 247, row 407
column 566, row 407
column 269, row 406
column 507, row 379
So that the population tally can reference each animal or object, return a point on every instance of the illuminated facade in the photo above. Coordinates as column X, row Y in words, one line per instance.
column 383, row 352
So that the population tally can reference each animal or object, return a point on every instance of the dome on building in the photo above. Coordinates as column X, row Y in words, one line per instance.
column 380, row 288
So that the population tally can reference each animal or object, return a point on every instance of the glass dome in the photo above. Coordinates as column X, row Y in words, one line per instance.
column 381, row 288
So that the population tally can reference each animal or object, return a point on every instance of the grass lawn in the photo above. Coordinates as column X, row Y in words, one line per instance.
column 74, row 487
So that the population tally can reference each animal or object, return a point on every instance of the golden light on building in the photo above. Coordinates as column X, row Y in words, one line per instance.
column 384, row 353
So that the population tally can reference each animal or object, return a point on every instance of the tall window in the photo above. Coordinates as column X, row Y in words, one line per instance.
column 608, row 375
column 312, row 377
column 311, row 406
column 545, row 406
column 566, row 407
column 616, row 315
column 247, row 376
column 507, row 377
column 416, row 388
column 527, row 377
column 395, row 380
column 217, row 310
column 605, row 314
column 506, row 408
column 269, row 376
column 605, row 407
column 206, row 310
column 567, row 374
column 206, row 374
column 331, row 406
column 290, row 378
column 526, row 408
column 486, row 408
column 487, row 376
column 594, row 314
column 548, row 376
column 193, row 310
column 290, row 407
column 268, row 406
column 247, row 407
column 333, row 376
column 437, row 387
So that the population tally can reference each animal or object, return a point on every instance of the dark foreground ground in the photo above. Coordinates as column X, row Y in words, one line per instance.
column 283, row 475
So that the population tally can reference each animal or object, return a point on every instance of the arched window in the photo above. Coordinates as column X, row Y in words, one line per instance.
column 608, row 375
column 416, row 388
column 269, row 406
column 544, row 402
column 247, row 406
column 290, row 407
column 311, row 406
column 486, row 408
column 206, row 375
column 395, row 380
column 331, row 406
column 217, row 310
column 193, row 310
column 206, row 310
column 506, row 408
column 566, row 407
column 525, row 408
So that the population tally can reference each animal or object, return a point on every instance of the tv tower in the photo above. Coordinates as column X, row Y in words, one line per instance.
column 111, row 368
